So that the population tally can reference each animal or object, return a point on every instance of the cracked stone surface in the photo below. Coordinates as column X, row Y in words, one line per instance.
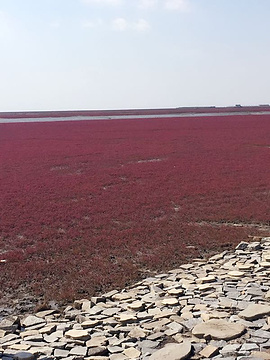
column 214, row 308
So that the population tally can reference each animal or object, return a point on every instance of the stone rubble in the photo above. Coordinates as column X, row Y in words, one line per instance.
column 217, row 308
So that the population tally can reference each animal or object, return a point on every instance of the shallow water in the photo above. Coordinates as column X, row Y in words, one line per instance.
column 124, row 117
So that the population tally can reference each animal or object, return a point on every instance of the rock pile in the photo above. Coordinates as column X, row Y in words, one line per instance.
column 216, row 308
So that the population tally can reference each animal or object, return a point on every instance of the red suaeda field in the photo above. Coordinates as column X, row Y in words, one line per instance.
column 88, row 206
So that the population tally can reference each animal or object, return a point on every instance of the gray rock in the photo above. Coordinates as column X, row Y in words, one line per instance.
column 10, row 324
column 255, row 311
column 132, row 353
column 118, row 357
column 261, row 355
column 249, row 347
column 256, row 340
column 8, row 338
column 45, row 313
column 172, row 352
column 156, row 336
column 96, row 341
column 149, row 344
column 230, row 349
column 262, row 334
column 32, row 320
column 78, row 334
column 218, row 329
column 97, row 351
column 78, row 351
column 60, row 353
column 209, row 351
column 242, row 245
column 24, row 356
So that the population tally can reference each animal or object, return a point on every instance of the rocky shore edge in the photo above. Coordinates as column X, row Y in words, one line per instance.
column 217, row 308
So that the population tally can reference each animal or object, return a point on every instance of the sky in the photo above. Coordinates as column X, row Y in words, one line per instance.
column 120, row 54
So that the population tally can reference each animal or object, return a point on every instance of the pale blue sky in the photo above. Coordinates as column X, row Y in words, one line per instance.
column 109, row 54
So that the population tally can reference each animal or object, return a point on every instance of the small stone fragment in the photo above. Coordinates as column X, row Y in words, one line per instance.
column 24, row 356
column 261, row 355
column 78, row 334
column 249, row 347
column 126, row 318
column 90, row 323
column 97, row 351
column 137, row 333
column 60, row 353
column 265, row 264
column 242, row 245
column 205, row 287
column 32, row 320
column 170, row 301
column 132, row 353
column 206, row 279
column 229, row 349
column 136, row 305
column 209, row 351
column 20, row 347
column 236, row 274
column 78, row 351
column 175, row 292
column 97, row 341
column 118, row 357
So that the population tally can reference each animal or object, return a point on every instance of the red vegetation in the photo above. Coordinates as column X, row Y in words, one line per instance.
column 89, row 205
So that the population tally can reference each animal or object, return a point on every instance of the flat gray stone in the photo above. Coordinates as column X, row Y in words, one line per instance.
column 60, row 353
column 96, row 341
column 8, row 338
column 137, row 333
column 255, row 311
column 32, row 320
column 97, row 351
column 242, row 245
column 172, row 352
column 78, row 351
column 111, row 311
column 249, row 347
column 53, row 336
column 78, row 334
column 115, row 349
column 261, row 355
column 218, row 330
column 132, row 353
column 10, row 324
column 230, row 349
column 236, row 274
column 118, row 357
column 209, row 351
column 43, row 314
column 262, row 334
column 24, row 356
column 90, row 324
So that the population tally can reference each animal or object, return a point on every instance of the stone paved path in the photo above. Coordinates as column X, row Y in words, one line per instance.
column 215, row 309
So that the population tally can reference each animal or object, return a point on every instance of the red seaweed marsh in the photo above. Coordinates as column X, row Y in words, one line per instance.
column 88, row 206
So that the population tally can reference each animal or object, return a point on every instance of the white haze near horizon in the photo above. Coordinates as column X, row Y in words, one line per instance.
column 112, row 54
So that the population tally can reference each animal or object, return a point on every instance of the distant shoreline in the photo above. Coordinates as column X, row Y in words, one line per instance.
column 94, row 115
column 108, row 112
